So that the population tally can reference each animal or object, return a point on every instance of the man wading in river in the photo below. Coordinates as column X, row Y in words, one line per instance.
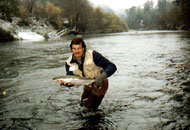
column 89, row 64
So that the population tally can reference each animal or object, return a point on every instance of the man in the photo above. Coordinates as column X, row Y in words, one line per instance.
column 89, row 64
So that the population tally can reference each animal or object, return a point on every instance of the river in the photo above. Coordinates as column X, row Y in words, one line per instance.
column 150, row 90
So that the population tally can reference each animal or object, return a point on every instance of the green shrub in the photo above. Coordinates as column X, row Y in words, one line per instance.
column 46, row 36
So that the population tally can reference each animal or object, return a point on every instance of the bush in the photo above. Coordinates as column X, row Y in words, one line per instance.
column 46, row 36
column 25, row 21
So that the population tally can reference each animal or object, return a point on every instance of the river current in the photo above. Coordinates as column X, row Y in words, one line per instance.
column 150, row 89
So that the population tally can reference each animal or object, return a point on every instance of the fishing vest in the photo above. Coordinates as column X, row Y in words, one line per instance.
column 89, row 67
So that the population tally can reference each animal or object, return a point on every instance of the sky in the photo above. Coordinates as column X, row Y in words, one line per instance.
column 120, row 4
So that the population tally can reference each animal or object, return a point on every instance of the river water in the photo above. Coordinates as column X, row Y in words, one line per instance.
column 150, row 90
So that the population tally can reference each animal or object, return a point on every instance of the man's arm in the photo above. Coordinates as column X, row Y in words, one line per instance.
column 103, row 62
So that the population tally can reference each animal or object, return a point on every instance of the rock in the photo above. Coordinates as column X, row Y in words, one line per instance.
column 177, row 97
column 186, row 89
column 186, row 83
column 5, row 35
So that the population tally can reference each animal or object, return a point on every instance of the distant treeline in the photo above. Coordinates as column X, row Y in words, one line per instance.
column 81, row 16
column 77, row 15
column 166, row 15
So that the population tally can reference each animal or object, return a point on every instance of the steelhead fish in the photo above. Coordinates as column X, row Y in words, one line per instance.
column 78, row 81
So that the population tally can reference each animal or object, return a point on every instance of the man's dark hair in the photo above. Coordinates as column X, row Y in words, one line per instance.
column 77, row 41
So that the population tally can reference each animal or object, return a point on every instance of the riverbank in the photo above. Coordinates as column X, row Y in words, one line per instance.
column 35, row 30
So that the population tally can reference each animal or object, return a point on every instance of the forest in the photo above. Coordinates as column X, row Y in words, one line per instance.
column 77, row 15
column 81, row 16
column 166, row 15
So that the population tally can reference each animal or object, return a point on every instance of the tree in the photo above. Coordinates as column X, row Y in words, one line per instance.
column 69, row 11
column 98, row 20
column 173, row 18
column 77, row 12
column 114, row 23
column 169, row 15
column 83, row 12
column 148, row 15
column 163, row 6
column 53, row 14
column 185, row 8
column 39, row 10
column 134, row 17
column 10, row 8
column 29, row 5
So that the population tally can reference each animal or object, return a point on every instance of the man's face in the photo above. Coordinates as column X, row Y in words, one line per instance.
column 77, row 50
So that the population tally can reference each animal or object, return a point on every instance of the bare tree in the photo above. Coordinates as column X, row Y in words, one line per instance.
column 77, row 13
column 29, row 5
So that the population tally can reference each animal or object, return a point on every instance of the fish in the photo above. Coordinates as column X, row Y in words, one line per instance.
column 78, row 81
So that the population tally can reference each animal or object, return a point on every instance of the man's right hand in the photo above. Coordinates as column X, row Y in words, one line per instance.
column 66, row 84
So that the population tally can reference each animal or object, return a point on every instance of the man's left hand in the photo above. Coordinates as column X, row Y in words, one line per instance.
column 100, row 78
